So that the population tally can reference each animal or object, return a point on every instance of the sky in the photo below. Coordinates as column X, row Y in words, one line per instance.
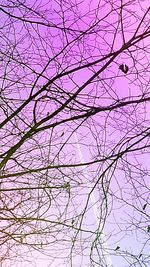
column 38, row 46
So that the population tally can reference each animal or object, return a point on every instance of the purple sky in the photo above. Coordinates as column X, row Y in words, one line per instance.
column 47, row 52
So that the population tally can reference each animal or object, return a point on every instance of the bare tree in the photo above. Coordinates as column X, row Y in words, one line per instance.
column 74, row 120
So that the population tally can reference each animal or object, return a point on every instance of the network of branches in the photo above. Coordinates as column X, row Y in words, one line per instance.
column 74, row 133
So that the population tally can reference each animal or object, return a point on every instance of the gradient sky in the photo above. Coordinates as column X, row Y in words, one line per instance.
column 109, row 87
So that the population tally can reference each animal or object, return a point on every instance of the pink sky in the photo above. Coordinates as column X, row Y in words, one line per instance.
column 108, row 88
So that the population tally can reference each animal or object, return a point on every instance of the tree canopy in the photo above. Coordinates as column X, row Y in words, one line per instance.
column 74, row 132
